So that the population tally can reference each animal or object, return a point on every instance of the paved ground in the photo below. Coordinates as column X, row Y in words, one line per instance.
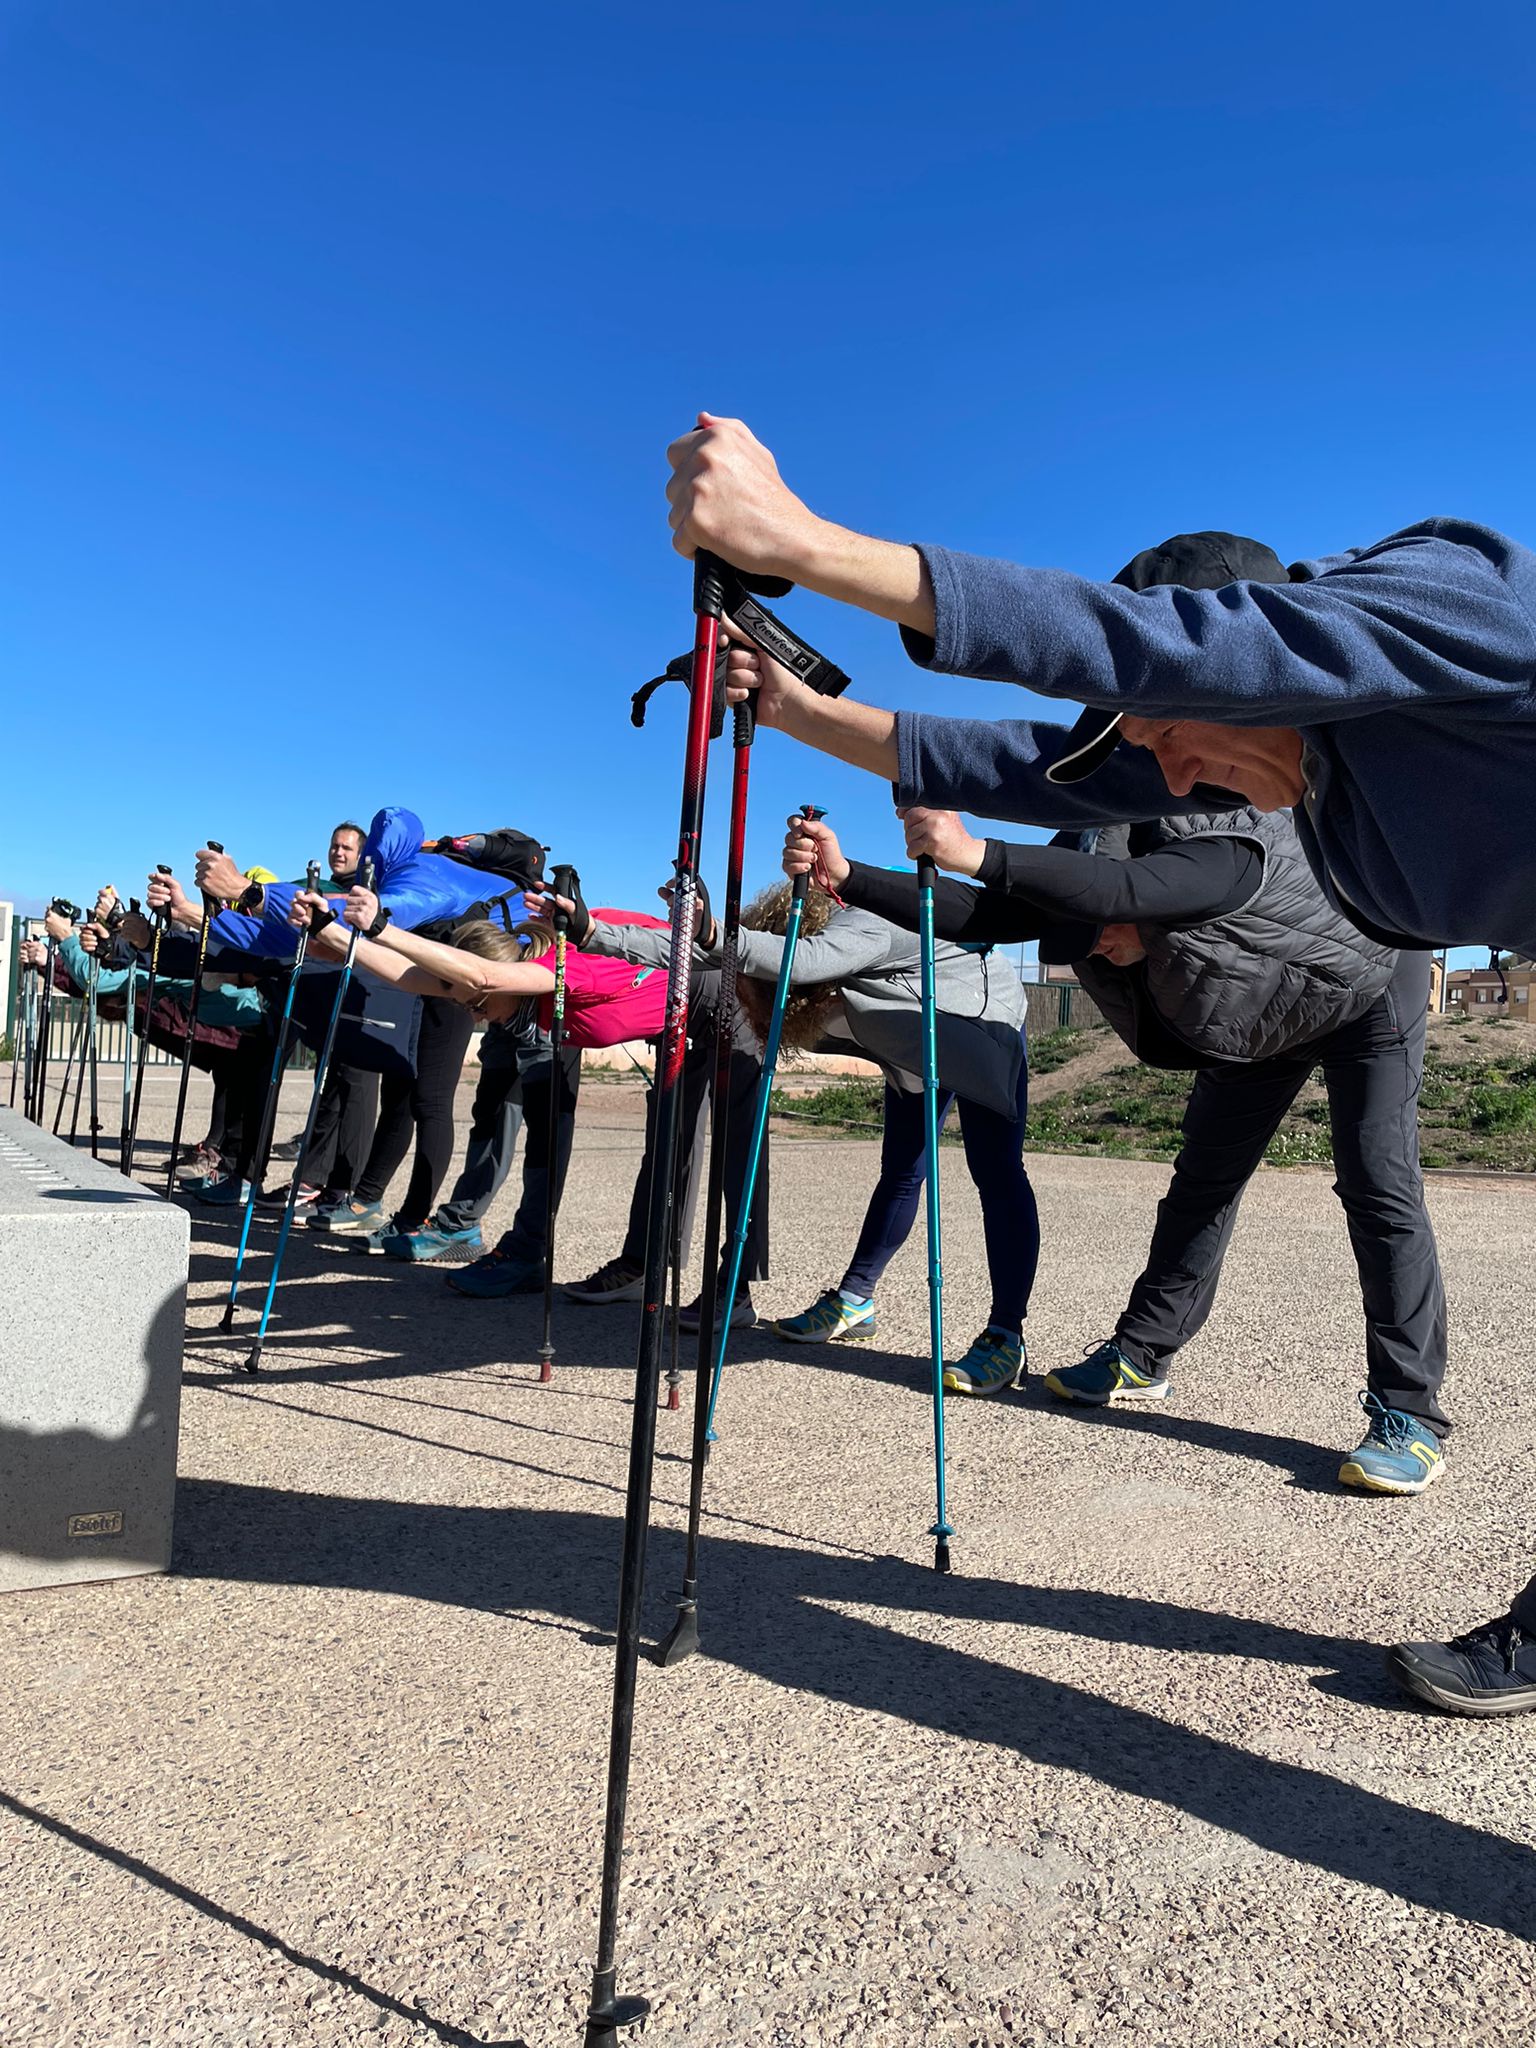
column 1131, row 1775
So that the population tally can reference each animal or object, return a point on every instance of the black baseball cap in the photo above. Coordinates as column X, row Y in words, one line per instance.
column 1197, row 561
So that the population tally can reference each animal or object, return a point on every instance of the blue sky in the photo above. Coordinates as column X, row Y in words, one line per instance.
column 343, row 341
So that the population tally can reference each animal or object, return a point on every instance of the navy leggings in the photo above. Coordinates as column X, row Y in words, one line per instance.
column 994, row 1147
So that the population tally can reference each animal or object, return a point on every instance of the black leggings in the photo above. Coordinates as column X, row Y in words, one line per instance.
column 423, row 1106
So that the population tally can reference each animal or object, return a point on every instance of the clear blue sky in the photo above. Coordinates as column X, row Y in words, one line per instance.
column 342, row 343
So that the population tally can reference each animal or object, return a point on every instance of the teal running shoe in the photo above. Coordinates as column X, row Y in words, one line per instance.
column 992, row 1363
column 1399, row 1453
column 431, row 1243
column 351, row 1219
column 827, row 1319
column 1106, row 1375
column 498, row 1275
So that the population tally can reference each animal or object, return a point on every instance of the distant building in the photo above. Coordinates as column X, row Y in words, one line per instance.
column 1479, row 990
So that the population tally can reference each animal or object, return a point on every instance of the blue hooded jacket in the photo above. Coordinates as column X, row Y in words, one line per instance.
column 1409, row 669
column 416, row 887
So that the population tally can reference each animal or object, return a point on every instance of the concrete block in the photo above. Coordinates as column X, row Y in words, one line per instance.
column 93, row 1288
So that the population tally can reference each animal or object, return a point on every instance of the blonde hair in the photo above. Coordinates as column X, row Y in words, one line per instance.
column 489, row 941
column 808, row 1010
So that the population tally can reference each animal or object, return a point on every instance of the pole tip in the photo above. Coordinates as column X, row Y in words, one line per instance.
column 546, row 1372
column 227, row 1320
column 941, row 1555
column 253, row 1361
column 674, row 1400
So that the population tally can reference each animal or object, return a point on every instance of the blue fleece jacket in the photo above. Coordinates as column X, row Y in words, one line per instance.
column 1409, row 668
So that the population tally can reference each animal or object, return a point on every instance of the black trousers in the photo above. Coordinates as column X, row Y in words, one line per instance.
column 536, row 1074
column 344, row 1127
column 1372, row 1070
column 698, row 1067
column 420, row 1107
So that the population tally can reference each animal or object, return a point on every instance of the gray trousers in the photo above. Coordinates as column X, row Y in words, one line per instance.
column 513, row 1089
column 1372, row 1070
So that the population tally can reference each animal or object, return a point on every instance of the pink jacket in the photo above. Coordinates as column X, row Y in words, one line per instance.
column 608, row 1001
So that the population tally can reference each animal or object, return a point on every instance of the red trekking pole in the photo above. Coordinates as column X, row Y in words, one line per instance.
column 608, row 2012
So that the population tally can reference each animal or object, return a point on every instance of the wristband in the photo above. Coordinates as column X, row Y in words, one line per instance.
column 378, row 924
column 320, row 916
column 251, row 901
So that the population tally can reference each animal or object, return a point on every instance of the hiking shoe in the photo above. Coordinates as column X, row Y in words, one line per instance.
column 992, row 1363
column 1489, row 1670
column 827, row 1319
column 1106, row 1375
column 1399, row 1454
column 275, row 1200
column 203, row 1164
column 743, row 1314
column 331, row 1203
column 461, row 1243
column 616, row 1281
column 369, row 1242
column 352, row 1218
column 227, row 1193
column 497, row 1275
column 431, row 1243
column 288, row 1148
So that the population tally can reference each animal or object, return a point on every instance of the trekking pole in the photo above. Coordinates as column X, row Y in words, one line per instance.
column 90, row 1047
column 684, row 1637
column 941, row 1530
column 132, row 988
column 29, row 1039
column 674, row 1400
column 269, row 1107
column 562, row 883
column 162, row 919
column 797, row 897
column 187, row 1043
column 608, row 2012
column 365, row 875
column 44, row 1028
column 76, row 1033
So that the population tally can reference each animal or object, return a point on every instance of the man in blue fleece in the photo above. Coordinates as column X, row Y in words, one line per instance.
column 1364, row 690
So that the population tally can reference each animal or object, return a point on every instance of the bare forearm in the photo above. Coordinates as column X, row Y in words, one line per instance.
column 880, row 576
column 861, row 734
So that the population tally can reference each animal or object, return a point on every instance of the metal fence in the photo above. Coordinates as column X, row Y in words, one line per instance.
column 1060, row 1006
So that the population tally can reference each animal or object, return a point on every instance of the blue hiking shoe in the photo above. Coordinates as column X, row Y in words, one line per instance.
column 992, row 1363
column 351, row 1219
column 497, row 1275
column 1490, row 1670
column 431, row 1243
column 227, row 1193
column 1106, row 1375
column 1399, row 1453
column 827, row 1319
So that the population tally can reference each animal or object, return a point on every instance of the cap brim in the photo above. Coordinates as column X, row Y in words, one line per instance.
column 1093, row 739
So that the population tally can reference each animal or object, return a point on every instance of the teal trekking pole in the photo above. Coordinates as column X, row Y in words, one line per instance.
column 253, row 1362
column 941, row 1530
column 131, row 987
column 797, row 896
column 269, row 1107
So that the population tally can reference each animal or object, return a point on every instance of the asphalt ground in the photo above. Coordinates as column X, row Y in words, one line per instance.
column 1132, row 1774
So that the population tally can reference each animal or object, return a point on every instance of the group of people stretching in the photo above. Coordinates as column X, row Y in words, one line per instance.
column 1253, row 857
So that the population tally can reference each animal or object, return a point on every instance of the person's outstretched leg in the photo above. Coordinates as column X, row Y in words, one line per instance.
column 1010, row 1221
column 441, row 1048
column 516, row 1265
column 495, row 1122
column 1373, row 1069
column 849, row 1310
column 1232, row 1114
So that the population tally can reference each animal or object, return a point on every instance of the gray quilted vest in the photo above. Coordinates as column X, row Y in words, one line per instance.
column 1280, row 972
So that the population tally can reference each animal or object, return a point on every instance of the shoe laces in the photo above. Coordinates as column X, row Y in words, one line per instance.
column 1505, row 1636
column 1389, row 1427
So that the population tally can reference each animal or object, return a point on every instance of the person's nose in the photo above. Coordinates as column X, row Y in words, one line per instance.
column 1181, row 768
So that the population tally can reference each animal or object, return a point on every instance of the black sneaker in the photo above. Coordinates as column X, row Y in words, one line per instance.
column 287, row 1149
column 617, row 1281
column 275, row 1200
column 1489, row 1670
column 743, row 1314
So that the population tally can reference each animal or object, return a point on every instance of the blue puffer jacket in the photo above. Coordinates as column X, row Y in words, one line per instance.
column 417, row 887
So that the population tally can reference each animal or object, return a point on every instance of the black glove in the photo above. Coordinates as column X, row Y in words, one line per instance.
column 704, row 919
column 564, row 881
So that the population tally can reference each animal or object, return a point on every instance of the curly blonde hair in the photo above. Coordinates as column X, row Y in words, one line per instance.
column 808, row 1010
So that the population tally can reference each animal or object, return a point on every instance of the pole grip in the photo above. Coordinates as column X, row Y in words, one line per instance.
column 560, row 885
column 708, row 585
column 746, row 724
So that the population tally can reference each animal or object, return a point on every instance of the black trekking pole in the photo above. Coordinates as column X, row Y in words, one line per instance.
column 162, row 918
column 269, row 1107
column 365, row 876
column 563, row 882
column 90, row 1050
column 926, row 870
column 684, row 1637
column 607, row 2011
column 29, row 1039
column 76, row 1034
column 132, row 987
column 39, row 1108
column 187, row 1044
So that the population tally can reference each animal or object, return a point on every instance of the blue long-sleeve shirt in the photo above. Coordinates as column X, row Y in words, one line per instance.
column 1409, row 669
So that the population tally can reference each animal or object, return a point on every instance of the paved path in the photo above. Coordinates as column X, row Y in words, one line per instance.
column 1131, row 1776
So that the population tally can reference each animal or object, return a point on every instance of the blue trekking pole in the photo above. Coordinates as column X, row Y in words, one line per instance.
column 161, row 923
column 941, row 1530
column 252, row 1364
column 797, row 896
column 132, row 989
column 269, row 1108
column 191, row 1038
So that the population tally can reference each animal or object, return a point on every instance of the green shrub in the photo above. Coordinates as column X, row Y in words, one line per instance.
column 1503, row 1107
column 1303, row 1145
